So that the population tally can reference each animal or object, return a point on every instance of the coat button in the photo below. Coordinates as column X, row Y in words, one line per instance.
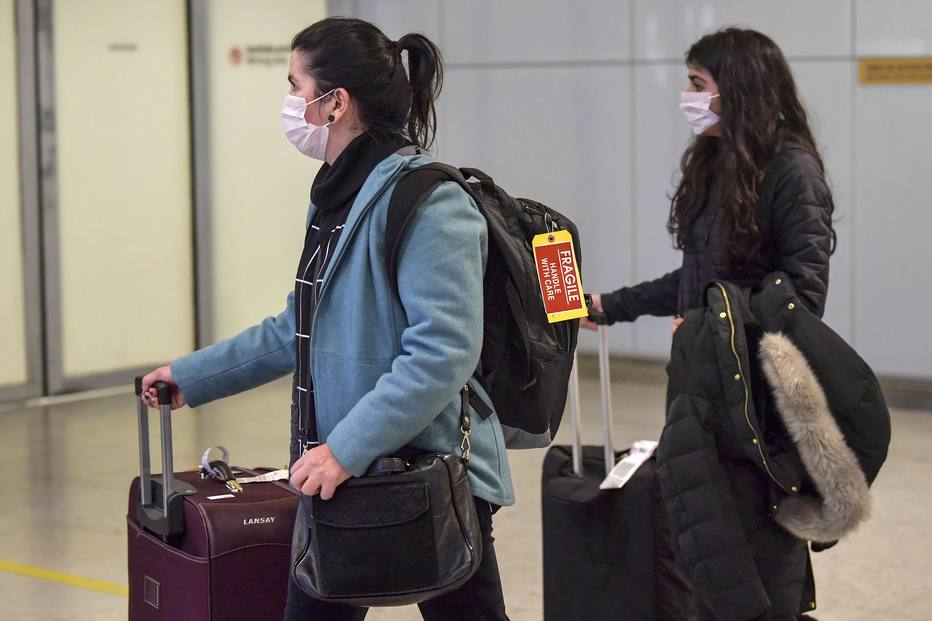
column 779, row 281
column 722, row 315
column 753, row 440
column 791, row 306
column 737, row 376
column 812, row 605
column 795, row 489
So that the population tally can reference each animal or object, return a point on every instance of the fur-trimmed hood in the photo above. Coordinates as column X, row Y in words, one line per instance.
column 726, row 457
column 844, row 497
column 837, row 426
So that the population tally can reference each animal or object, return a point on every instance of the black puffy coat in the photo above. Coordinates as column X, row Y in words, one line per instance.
column 775, row 427
column 796, row 226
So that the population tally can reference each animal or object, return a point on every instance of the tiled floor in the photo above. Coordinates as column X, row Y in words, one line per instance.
column 66, row 469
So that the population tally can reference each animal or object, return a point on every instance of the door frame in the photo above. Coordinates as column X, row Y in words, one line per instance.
column 24, row 16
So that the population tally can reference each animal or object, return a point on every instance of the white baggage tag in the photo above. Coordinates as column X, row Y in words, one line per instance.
column 221, row 497
column 275, row 475
column 640, row 452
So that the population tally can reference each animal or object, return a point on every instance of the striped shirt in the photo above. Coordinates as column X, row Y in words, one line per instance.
column 333, row 193
column 319, row 244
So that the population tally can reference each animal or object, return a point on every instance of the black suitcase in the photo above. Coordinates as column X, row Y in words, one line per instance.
column 607, row 554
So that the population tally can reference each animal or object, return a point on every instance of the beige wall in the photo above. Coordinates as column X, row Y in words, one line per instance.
column 259, row 182
column 121, row 95
column 12, row 309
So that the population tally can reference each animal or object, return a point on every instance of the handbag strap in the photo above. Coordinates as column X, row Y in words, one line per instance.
column 465, row 424
column 311, row 438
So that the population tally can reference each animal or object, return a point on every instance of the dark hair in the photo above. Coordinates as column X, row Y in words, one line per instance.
column 760, row 111
column 355, row 55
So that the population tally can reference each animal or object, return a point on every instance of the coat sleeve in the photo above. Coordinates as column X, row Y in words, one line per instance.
column 659, row 297
column 706, row 529
column 253, row 357
column 802, row 227
column 440, row 271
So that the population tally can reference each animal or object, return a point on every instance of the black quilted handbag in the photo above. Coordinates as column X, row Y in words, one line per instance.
column 405, row 532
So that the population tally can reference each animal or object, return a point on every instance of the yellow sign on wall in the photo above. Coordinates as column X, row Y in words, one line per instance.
column 916, row 70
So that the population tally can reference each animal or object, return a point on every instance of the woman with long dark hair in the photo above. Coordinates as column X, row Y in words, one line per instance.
column 381, row 371
column 752, row 201
column 752, row 198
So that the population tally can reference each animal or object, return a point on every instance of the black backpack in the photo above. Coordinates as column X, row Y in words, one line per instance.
column 526, row 361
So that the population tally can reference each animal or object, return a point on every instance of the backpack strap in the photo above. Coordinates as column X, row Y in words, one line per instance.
column 412, row 189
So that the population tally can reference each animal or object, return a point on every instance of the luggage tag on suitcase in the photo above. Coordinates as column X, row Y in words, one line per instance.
column 624, row 470
column 558, row 275
column 268, row 477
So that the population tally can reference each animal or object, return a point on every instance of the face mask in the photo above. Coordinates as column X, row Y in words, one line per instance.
column 309, row 139
column 696, row 108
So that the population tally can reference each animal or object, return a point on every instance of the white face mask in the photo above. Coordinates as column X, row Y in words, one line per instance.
column 309, row 139
column 696, row 107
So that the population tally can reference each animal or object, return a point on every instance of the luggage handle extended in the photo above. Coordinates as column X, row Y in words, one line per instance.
column 606, row 396
column 160, row 508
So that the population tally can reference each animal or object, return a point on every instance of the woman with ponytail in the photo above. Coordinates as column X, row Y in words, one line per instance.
column 380, row 371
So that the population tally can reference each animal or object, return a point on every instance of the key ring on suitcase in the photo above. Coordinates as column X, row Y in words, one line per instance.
column 219, row 469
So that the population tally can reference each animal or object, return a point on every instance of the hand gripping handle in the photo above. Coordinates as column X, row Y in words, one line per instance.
column 164, row 394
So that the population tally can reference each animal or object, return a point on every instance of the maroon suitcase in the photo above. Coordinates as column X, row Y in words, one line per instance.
column 191, row 558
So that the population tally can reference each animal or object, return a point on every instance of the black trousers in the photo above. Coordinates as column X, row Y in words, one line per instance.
column 480, row 599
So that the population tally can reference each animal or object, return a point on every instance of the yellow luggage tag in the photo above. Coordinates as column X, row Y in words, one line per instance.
column 558, row 275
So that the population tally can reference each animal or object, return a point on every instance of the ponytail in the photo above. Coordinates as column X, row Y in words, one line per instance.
column 425, row 73
column 342, row 52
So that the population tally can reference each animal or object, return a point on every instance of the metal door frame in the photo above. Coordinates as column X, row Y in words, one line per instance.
column 198, row 13
column 24, row 12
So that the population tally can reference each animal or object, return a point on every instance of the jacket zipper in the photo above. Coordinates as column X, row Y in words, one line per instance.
column 747, row 391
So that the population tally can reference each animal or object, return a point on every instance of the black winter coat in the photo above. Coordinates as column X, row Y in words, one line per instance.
column 774, row 429
column 796, row 211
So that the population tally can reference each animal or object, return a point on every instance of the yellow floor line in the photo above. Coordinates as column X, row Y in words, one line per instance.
column 62, row 578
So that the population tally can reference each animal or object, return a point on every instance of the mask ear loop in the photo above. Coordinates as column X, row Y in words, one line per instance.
column 330, row 117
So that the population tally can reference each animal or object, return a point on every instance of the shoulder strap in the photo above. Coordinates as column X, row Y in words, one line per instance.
column 412, row 189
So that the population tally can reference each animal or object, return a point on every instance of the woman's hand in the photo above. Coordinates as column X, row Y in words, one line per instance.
column 587, row 323
column 676, row 323
column 318, row 471
column 161, row 374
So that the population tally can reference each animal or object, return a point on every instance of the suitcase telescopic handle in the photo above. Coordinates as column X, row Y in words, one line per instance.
column 164, row 393
column 606, row 397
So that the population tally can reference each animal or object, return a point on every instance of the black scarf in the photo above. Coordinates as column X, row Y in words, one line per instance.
column 336, row 186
